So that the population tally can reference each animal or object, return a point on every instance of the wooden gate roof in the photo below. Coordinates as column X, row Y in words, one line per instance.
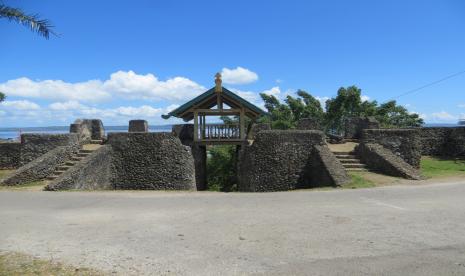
column 208, row 100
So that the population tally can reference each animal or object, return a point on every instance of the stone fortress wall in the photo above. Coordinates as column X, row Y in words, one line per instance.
column 272, row 160
column 280, row 160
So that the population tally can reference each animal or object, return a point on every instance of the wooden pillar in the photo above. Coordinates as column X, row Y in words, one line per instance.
column 242, row 124
column 196, row 126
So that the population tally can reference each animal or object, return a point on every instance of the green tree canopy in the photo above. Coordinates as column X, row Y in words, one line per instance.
column 347, row 103
column 286, row 115
column 2, row 97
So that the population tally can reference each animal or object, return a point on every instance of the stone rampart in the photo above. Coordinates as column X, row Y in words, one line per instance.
column 309, row 124
column 10, row 155
column 36, row 145
column 93, row 173
column 155, row 161
column 138, row 126
column 443, row 141
column 405, row 143
column 41, row 167
column 379, row 158
column 281, row 160
column 326, row 169
column 354, row 126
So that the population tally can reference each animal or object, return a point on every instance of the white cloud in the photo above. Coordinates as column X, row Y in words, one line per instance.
column 275, row 91
column 238, row 76
column 69, row 105
column 322, row 101
column 443, row 116
column 20, row 105
column 124, row 84
column 133, row 86
column 55, row 89
column 365, row 98
column 461, row 105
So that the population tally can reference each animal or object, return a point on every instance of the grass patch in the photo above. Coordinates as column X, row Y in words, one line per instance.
column 15, row 264
column 31, row 186
column 437, row 167
column 5, row 173
column 358, row 181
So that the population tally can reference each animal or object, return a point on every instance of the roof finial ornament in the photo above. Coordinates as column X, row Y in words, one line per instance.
column 218, row 81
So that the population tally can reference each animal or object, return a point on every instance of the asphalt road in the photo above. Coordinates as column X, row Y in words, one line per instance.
column 398, row 230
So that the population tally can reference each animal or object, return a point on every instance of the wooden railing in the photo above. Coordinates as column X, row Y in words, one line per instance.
column 219, row 132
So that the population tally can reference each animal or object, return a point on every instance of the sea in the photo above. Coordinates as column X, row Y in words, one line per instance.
column 13, row 133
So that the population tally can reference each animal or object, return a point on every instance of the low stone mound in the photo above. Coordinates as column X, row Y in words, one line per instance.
column 151, row 161
column 281, row 160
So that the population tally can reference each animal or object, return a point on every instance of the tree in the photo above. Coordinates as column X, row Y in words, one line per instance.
column 347, row 103
column 41, row 26
column 286, row 116
column 391, row 115
column 2, row 97
column 221, row 168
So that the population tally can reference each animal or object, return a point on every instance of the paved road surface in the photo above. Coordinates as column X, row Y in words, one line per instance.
column 398, row 230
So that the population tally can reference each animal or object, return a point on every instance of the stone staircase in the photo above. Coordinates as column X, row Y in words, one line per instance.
column 75, row 159
column 350, row 161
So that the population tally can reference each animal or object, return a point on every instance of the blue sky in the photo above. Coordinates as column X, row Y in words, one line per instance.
column 122, row 60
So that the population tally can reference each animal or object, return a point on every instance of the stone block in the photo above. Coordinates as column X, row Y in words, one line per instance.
column 138, row 126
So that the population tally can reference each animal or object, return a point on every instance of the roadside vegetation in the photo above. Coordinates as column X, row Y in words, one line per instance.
column 432, row 167
column 15, row 264
column 358, row 181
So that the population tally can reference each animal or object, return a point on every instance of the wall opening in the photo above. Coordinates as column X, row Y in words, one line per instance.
column 222, row 168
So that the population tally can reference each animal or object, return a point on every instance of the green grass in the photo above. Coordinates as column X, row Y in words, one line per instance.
column 436, row 167
column 4, row 173
column 15, row 264
column 358, row 181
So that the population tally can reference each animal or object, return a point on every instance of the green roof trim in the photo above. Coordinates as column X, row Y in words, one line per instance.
column 211, row 92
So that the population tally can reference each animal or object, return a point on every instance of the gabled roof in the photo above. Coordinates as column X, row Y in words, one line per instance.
column 208, row 100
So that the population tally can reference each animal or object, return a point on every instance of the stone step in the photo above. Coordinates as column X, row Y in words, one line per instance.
column 58, row 172
column 83, row 154
column 69, row 163
column 352, row 140
column 52, row 177
column 86, row 151
column 354, row 165
column 64, row 168
column 356, row 169
column 343, row 152
column 76, row 158
column 350, row 161
column 96, row 142
column 346, row 156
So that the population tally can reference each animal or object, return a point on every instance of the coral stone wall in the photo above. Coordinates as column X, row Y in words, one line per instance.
column 379, row 158
column 42, row 166
column 155, row 161
column 443, row 141
column 405, row 143
column 138, row 126
column 35, row 145
column 278, row 160
column 309, row 124
column 93, row 173
column 354, row 126
column 10, row 154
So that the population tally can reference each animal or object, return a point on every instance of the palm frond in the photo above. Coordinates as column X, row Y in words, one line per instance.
column 42, row 26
